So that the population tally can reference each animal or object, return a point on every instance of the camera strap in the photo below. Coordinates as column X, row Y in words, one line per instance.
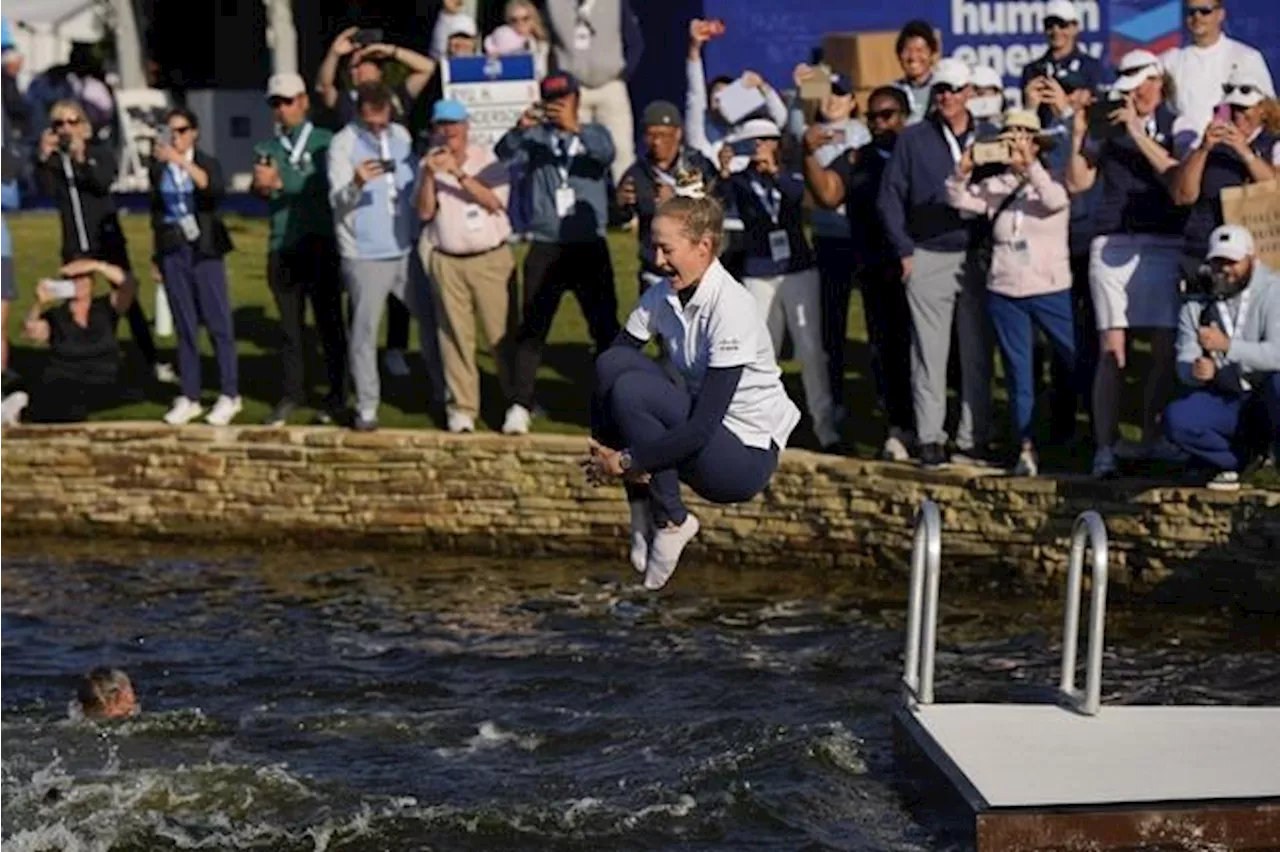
column 77, row 212
column 296, row 150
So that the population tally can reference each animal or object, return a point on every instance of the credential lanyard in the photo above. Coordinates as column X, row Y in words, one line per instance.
column 952, row 143
column 770, row 199
column 182, row 182
column 384, row 148
column 295, row 150
column 565, row 152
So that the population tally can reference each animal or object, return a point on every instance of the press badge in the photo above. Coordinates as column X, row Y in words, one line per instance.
column 779, row 246
column 1021, row 252
column 190, row 228
column 473, row 216
column 566, row 200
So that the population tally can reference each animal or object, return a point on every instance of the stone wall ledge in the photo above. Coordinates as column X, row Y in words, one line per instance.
column 495, row 494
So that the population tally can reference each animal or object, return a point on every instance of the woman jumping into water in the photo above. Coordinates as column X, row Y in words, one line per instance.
column 714, row 414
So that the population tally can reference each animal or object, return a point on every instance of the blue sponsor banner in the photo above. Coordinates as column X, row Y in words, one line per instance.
column 771, row 37
column 498, row 69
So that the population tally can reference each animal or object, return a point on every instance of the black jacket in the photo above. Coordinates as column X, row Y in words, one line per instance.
column 91, row 186
column 214, row 240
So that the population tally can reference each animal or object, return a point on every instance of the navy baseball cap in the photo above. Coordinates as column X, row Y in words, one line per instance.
column 840, row 84
column 558, row 85
column 661, row 114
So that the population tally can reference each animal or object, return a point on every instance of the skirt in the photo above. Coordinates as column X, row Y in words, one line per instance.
column 1134, row 280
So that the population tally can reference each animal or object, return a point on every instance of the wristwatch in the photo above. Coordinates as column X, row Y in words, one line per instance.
column 624, row 460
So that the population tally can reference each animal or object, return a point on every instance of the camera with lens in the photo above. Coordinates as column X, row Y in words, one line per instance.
column 64, row 142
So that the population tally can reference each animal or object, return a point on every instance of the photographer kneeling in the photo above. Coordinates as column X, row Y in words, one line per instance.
column 1229, row 351
column 80, row 328
column 1028, row 262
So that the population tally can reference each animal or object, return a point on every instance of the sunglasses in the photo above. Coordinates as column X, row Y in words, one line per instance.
column 1246, row 89
column 178, row 131
column 946, row 89
column 279, row 101
column 59, row 123
column 1056, row 24
column 883, row 114
column 1200, row 11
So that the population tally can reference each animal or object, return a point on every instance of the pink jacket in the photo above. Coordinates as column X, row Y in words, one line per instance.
column 1030, row 257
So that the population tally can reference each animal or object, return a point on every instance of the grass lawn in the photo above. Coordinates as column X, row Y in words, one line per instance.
column 564, row 380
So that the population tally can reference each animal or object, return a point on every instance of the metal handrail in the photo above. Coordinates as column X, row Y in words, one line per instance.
column 1088, row 531
column 922, row 605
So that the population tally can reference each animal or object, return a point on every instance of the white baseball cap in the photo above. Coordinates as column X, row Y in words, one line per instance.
column 986, row 77
column 1135, row 67
column 951, row 72
column 285, row 85
column 1243, row 89
column 1064, row 9
column 755, row 128
column 1230, row 242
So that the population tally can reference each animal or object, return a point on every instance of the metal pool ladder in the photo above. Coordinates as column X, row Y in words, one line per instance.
column 1067, row 773
column 1088, row 533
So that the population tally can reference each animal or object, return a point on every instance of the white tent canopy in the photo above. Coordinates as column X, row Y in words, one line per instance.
column 45, row 29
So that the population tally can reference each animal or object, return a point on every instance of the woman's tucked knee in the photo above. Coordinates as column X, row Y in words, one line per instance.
column 614, row 363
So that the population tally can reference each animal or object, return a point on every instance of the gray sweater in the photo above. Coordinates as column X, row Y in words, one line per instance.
column 604, row 59
column 552, row 158
column 1255, row 343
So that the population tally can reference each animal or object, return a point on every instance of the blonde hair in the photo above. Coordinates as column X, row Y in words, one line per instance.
column 99, row 688
column 699, row 217
column 538, row 29
column 71, row 105
column 1271, row 115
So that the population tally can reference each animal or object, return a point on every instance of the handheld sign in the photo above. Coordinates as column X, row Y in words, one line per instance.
column 495, row 90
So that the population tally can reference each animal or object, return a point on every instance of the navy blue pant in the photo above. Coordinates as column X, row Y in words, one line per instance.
column 1014, row 322
column 636, row 401
column 1223, row 431
column 835, row 270
column 197, row 291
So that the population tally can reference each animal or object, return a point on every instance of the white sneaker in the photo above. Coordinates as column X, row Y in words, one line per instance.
column 664, row 552
column 459, row 422
column 1028, row 463
column 12, row 407
column 165, row 374
column 895, row 446
column 1104, row 463
column 223, row 410
column 517, row 421
column 641, row 534
column 393, row 361
column 183, row 411
column 1227, row 480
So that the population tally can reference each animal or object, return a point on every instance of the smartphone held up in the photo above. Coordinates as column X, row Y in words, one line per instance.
column 60, row 288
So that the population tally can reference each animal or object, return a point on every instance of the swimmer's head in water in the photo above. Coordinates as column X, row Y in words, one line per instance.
column 106, row 694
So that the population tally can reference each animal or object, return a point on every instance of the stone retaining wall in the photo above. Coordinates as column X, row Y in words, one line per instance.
column 492, row 494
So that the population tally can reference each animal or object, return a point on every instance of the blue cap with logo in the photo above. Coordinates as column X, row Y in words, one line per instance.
column 448, row 110
column 6, row 35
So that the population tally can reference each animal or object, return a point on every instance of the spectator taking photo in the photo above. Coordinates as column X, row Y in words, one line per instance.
column 83, row 371
column 1229, row 354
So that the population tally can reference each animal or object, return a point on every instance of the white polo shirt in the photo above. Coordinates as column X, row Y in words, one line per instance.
column 1199, row 73
column 721, row 327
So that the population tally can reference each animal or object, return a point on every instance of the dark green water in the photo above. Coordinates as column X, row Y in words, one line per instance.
column 340, row 701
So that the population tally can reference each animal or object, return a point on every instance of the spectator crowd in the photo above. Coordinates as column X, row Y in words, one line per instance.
column 1057, row 233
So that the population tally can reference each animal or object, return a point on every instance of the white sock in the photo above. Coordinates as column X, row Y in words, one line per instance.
column 664, row 552
column 641, row 533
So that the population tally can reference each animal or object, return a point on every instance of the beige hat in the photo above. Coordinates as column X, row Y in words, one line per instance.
column 1025, row 119
column 285, row 85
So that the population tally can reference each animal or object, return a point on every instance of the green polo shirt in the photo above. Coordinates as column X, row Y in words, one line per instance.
column 301, row 208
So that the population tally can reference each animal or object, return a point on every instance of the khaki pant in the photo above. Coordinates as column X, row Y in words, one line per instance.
column 468, row 288
column 610, row 105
